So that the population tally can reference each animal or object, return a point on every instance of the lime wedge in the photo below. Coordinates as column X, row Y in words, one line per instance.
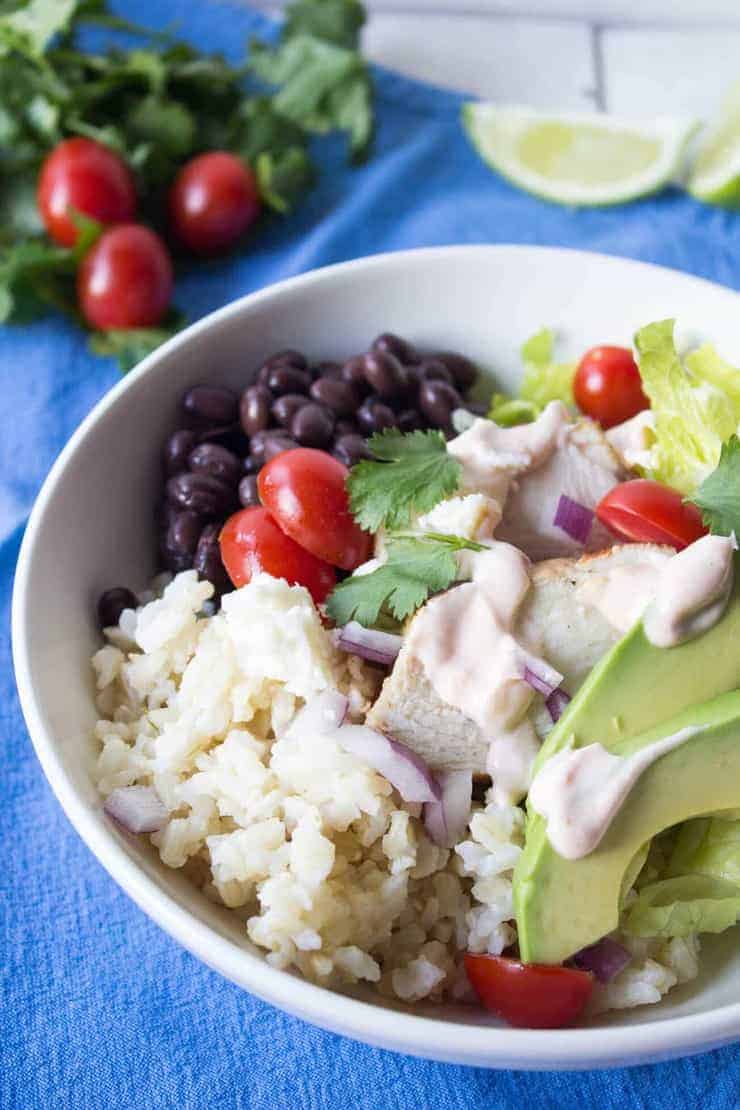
column 715, row 176
column 578, row 158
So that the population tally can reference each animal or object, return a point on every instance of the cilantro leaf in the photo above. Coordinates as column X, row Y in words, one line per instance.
column 337, row 21
column 408, row 474
column 30, row 29
column 718, row 496
column 417, row 566
column 130, row 345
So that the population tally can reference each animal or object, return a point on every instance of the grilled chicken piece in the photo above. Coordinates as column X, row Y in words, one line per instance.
column 559, row 619
column 584, row 468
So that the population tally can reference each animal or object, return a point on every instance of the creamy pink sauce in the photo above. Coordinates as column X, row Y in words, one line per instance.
column 622, row 593
column 580, row 790
column 464, row 640
column 692, row 592
column 493, row 456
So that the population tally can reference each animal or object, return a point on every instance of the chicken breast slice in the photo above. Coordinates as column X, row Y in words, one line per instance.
column 563, row 618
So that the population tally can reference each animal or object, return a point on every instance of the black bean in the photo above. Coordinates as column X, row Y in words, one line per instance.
column 350, row 449
column 478, row 408
column 437, row 400
column 183, row 532
column 432, row 370
column 285, row 408
column 212, row 458
column 287, row 379
column 410, row 420
column 210, row 404
column 288, row 357
column 225, row 434
column 374, row 416
column 112, row 603
column 248, row 492
column 390, row 344
column 207, row 559
column 331, row 370
column 249, row 465
column 462, row 369
column 338, row 396
column 176, row 450
column 202, row 493
column 353, row 372
column 313, row 425
column 384, row 374
column 345, row 428
column 164, row 514
column 276, row 443
column 254, row 409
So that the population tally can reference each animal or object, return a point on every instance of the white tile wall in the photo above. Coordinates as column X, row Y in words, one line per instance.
column 636, row 57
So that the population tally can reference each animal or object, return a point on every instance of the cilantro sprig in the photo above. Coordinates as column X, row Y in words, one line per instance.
column 158, row 103
column 418, row 565
column 407, row 474
column 718, row 497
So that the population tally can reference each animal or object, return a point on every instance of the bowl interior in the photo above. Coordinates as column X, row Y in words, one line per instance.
column 92, row 528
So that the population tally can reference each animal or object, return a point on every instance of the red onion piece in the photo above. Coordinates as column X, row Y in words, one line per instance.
column 323, row 714
column 557, row 703
column 403, row 768
column 541, row 676
column 574, row 518
column 138, row 809
column 605, row 959
column 447, row 819
column 370, row 644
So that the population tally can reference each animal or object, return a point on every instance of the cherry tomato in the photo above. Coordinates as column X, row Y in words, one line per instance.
column 85, row 176
column 534, row 996
column 213, row 200
column 649, row 512
column 125, row 281
column 305, row 490
column 607, row 386
column 251, row 542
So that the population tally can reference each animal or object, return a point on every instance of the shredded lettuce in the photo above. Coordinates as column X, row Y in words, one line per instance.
column 696, row 405
column 683, row 905
column 544, row 380
column 708, row 846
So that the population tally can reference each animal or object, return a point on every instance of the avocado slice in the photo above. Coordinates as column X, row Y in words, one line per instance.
column 634, row 688
column 564, row 905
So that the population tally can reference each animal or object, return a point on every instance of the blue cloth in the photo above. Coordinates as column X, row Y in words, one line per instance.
column 98, row 1008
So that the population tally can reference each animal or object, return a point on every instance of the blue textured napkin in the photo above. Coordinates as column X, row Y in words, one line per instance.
column 98, row 1008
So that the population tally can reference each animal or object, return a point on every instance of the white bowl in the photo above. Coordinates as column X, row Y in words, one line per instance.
column 92, row 527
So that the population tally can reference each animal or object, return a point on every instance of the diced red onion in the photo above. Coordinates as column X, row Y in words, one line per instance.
column 324, row 713
column 557, row 703
column 369, row 643
column 138, row 809
column 574, row 518
column 447, row 819
column 605, row 959
column 539, row 674
column 403, row 768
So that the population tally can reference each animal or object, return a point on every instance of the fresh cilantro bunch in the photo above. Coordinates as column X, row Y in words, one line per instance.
column 158, row 104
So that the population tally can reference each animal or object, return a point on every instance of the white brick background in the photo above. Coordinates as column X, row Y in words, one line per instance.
column 634, row 57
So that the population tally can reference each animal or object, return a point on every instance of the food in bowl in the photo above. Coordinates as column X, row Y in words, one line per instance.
column 466, row 727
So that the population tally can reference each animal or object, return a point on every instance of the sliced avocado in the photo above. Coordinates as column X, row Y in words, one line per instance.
column 564, row 905
column 635, row 687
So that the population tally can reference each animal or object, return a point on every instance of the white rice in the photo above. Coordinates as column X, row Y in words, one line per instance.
column 314, row 850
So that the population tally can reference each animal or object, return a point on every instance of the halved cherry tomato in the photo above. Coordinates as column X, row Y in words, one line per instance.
column 251, row 542
column 649, row 512
column 213, row 200
column 85, row 176
column 125, row 281
column 608, row 387
column 305, row 491
column 533, row 996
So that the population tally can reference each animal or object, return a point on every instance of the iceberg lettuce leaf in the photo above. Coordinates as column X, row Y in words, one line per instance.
column 683, row 905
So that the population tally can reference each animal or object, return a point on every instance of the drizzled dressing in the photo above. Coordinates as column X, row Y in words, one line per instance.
column 579, row 791
column 692, row 593
column 465, row 642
